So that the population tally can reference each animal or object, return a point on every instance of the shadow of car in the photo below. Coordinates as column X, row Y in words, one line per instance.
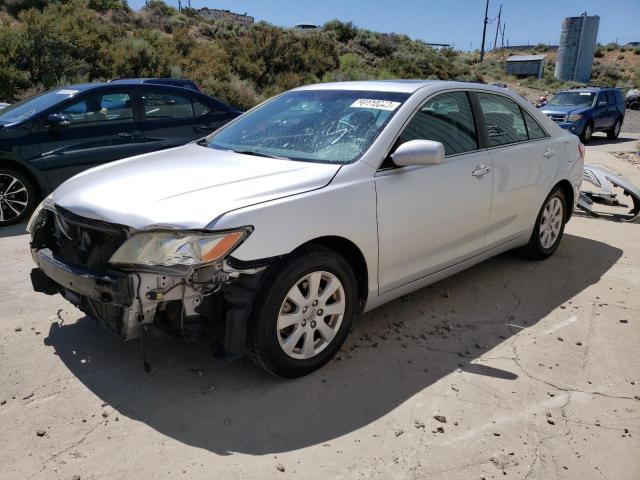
column 395, row 352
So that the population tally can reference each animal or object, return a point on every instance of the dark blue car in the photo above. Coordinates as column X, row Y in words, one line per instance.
column 52, row 136
column 584, row 111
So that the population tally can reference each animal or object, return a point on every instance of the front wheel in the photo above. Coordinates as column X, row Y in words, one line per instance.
column 615, row 130
column 586, row 134
column 549, row 227
column 17, row 197
column 303, row 313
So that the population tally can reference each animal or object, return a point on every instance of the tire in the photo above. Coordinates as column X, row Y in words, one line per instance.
column 615, row 130
column 317, row 336
column 587, row 133
column 542, row 246
column 17, row 197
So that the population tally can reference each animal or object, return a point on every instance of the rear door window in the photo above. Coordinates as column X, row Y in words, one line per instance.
column 447, row 119
column 503, row 119
column 611, row 98
column 170, row 106
column 534, row 129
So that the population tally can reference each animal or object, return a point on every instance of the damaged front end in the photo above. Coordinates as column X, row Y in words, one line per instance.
column 183, row 282
column 606, row 181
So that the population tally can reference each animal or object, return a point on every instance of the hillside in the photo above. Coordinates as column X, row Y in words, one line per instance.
column 43, row 44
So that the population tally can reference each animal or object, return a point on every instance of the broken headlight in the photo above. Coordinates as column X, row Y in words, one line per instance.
column 35, row 216
column 177, row 250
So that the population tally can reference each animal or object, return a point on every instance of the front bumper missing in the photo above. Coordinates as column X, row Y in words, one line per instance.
column 110, row 287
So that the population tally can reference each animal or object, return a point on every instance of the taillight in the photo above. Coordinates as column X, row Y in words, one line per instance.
column 581, row 150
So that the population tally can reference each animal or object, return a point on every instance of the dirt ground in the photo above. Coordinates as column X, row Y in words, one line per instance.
column 534, row 368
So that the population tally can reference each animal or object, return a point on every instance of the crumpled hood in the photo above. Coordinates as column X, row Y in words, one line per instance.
column 185, row 187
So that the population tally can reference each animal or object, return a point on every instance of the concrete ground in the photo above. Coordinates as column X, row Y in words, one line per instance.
column 534, row 368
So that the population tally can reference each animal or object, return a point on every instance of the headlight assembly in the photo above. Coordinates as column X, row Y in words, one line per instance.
column 177, row 249
column 35, row 216
column 574, row 118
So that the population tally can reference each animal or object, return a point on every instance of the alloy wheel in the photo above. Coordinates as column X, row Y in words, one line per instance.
column 14, row 198
column 551, row 222
column 310, row 315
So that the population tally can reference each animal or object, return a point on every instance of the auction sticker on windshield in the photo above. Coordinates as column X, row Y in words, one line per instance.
column 67, row 92
column 376, row 104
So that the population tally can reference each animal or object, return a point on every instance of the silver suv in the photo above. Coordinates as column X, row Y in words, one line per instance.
column 272, row 233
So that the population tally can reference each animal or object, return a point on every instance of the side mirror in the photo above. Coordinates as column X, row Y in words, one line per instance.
column 418, row 152
column 58, row 120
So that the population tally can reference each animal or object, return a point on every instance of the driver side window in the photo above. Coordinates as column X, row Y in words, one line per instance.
column 100, row 108
column 447, row 119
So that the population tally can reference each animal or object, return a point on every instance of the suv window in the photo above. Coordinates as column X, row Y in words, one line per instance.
column 447, row 119
column 171, row 106
column 611, row 98
column 503, row 119
column 534, row 129
column 100, row 108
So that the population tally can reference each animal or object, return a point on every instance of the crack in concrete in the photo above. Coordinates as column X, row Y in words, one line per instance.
column 64, row 450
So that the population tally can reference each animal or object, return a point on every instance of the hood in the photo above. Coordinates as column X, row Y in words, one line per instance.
column 564, row 109
column 185, row 187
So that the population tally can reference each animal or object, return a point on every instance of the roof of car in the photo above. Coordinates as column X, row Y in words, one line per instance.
column 593, row 88
column 89, row 86
column 400, row 86
column 138, row 81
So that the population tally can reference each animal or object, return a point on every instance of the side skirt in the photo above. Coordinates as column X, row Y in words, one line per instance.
column 442, row 274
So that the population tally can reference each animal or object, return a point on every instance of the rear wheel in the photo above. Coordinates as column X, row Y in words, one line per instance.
column 549, row 227
column 586, row 134
column 17, row 197
column 303, row 313
column 615, row 130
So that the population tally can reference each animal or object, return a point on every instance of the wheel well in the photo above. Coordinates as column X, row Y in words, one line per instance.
column 8, row 164
column 567, row 189
column 354, row 256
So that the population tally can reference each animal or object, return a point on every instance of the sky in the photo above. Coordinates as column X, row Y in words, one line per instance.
column 456, row 22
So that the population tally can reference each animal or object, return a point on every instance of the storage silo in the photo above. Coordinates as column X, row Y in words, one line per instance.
column 577, row 46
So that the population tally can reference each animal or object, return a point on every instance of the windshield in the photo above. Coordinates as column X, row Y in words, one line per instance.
column 574, row 99
column 335, row 126
column 32, row 105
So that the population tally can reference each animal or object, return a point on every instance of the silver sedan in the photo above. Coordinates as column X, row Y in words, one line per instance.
column 274, row 232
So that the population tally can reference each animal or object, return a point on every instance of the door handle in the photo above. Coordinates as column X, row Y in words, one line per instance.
column 481, row 170
column 549, row 152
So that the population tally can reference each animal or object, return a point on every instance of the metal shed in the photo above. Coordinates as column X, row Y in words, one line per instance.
column 526, row 65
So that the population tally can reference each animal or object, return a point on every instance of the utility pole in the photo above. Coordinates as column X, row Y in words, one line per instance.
column 179, row 6
column 504, row 25
column 495, row 40
column 484, row 30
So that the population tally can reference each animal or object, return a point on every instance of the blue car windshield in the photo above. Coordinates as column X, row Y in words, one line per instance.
column 333, row 126
column 32, row 105
column 573, row 99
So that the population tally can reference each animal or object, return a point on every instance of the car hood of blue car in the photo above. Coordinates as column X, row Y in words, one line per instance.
column 564, row 109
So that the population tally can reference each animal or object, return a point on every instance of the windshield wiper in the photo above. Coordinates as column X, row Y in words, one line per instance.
column 259, row 154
